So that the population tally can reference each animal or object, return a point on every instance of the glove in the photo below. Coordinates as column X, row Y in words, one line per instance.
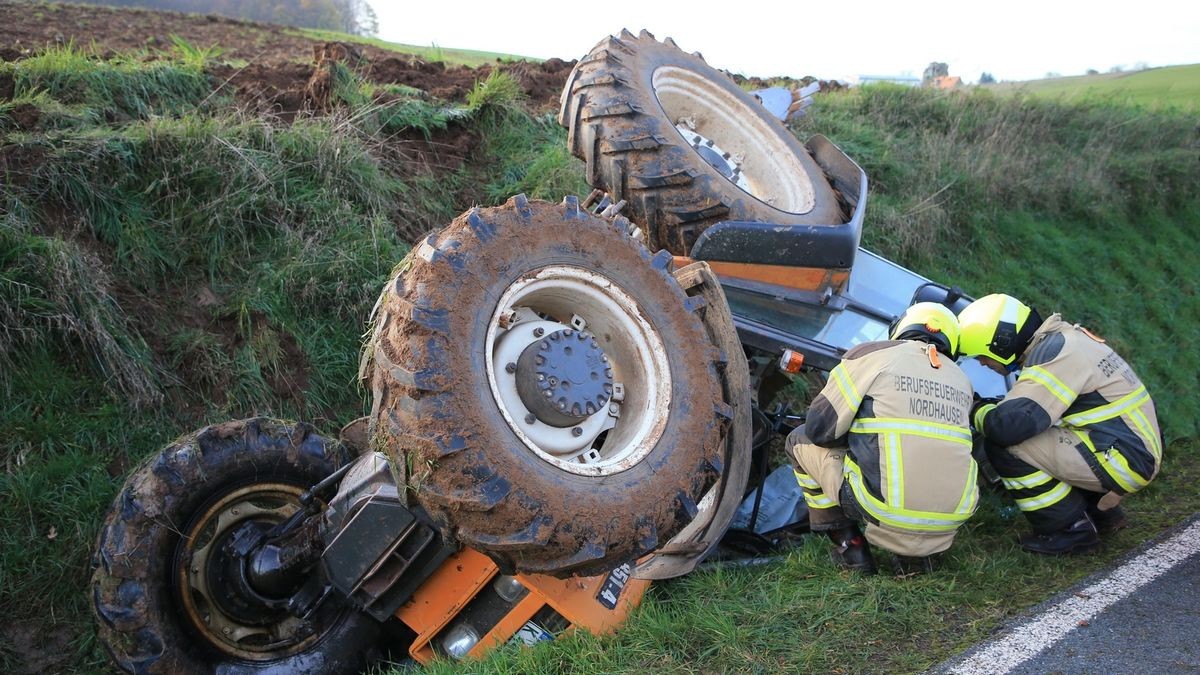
column 981, row 406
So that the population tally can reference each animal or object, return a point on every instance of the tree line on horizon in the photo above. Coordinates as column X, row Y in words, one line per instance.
column 356, row 17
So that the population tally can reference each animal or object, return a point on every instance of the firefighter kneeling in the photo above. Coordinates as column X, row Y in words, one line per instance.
column 1075, row 434
column 887, row 443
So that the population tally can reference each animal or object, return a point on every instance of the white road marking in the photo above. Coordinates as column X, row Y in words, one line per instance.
column 1026, row 640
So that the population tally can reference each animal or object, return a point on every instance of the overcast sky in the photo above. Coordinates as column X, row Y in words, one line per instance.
column 1015, row 40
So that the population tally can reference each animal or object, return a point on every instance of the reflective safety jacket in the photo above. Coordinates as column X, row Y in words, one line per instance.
column 1072, row 379
column 902, row 410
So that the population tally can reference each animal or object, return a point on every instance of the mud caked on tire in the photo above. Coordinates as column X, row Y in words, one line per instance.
column 154, row 588
column 549, row 386
column 684, row 145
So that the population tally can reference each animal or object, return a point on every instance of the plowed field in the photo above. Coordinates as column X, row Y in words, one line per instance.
column 278, row 58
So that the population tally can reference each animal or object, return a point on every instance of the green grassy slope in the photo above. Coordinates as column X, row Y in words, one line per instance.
column 166, row 263
column 1173, row 86
column 432, row 53
column 1085, row 209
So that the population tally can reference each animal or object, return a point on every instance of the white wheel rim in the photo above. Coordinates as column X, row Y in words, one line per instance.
column 564, row 297
column 767, row 167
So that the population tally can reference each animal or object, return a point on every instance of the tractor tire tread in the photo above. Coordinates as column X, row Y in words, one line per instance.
column 609, row 100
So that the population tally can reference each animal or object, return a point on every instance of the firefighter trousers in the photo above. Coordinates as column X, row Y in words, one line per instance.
column 831, row 503
column 1049, row 478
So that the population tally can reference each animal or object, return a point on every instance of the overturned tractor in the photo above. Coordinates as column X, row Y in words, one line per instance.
column 559, row 414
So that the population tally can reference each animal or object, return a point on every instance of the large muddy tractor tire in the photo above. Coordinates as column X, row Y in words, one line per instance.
column 549, row 386
column 160, row 591
column 684, row 145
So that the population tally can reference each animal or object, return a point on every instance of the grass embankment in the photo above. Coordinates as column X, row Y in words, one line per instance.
column 1089, row 210
column 167, row 263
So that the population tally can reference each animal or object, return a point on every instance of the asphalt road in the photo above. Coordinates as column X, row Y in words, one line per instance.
column 1140, row 616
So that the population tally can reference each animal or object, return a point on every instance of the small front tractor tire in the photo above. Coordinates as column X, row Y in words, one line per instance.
column 157, row 611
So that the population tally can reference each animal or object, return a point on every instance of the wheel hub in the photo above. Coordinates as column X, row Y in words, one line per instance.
column 564, row 378
column 228, row 587
column 628, row 394
column 725, row 163
column 216, row 600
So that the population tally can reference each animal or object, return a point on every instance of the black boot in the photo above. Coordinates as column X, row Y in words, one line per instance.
column 1078, row 537
column 851, row 551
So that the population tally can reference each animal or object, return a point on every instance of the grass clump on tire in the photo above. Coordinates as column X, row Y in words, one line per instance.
column 631, row 429
column 684, row 145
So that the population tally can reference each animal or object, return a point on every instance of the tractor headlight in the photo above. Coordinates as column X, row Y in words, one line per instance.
column 458, row 640
column 509, row 589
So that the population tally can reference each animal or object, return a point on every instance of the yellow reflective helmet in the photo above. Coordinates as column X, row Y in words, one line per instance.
column 997, row 326
column 931, row 322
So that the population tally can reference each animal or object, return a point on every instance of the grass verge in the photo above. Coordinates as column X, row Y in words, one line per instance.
column 1085, row 209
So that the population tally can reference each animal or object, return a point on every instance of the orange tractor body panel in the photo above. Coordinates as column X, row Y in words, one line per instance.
column 581, row 601
column 814, row 279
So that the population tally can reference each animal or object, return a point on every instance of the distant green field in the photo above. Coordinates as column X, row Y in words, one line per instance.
column 461, row 57
column 1174, row 86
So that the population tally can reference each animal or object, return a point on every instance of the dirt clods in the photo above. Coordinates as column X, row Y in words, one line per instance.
column 278, row 69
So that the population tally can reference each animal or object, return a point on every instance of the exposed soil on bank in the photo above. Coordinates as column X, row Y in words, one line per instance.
column 279, row 60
